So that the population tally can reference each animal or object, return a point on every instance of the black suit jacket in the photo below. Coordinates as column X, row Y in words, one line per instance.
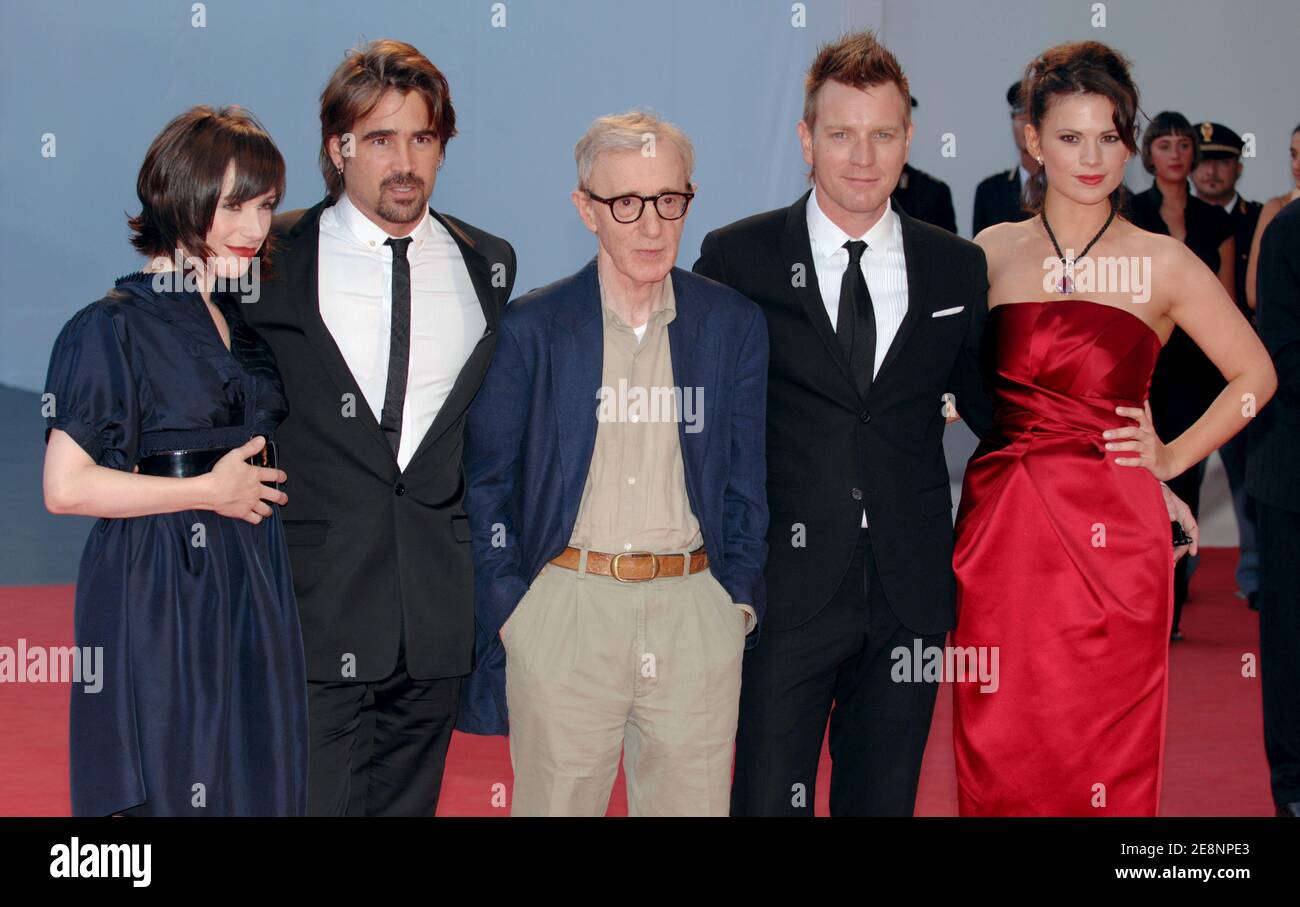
column 1245, row 217
column 927, row 198
column 1274, row 443
column 998, row 200
column 376, row 551
column 830, row 453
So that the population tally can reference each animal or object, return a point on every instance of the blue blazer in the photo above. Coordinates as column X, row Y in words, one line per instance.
column 530, row 433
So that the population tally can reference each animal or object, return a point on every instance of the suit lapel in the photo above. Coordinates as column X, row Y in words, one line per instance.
column 577, row 365
column 303, row 271
column 471, row 373
column 693, row 350
column 796, row 249
column 914, row 252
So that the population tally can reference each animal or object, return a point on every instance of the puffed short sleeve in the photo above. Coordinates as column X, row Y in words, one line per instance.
column 90, row 390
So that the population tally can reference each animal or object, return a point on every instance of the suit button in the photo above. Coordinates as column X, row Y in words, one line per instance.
column 856, row 494
column 400, row 489
column 864, row 417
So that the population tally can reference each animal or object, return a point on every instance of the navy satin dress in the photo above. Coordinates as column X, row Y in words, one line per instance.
column 203, row 707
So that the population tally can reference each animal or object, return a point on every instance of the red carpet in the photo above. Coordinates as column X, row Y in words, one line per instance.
column 1214, row 759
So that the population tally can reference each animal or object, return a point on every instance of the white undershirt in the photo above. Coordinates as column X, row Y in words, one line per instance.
column 883, row 265
column 356, row 303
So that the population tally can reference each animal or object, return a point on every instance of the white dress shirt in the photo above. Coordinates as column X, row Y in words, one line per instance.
column 356, row 304
column 883, row 266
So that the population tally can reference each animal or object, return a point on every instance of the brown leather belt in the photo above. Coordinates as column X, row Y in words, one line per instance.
column 632, row 566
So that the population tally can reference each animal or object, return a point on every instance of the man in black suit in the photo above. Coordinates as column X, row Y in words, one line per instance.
column 874, row 318
column 382, row 317
column 1215, row 178
column 1274, row 482
column 998, row 197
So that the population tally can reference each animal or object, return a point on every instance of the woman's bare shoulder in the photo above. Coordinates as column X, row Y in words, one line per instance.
column 1276, row 204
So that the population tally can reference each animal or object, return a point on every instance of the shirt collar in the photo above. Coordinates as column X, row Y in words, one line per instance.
column 827, row 238
column 1232, row 202
column 371, row 235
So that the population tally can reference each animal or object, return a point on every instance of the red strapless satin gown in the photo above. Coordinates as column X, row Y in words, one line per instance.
column 1064, row 564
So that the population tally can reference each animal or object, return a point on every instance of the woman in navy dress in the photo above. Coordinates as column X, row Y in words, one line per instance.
column 161, row 394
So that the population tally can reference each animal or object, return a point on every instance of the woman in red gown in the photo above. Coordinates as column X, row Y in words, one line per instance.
column 1064, row 554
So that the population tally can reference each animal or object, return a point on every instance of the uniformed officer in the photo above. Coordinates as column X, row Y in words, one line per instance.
column 1215, row 179
column 997, row 198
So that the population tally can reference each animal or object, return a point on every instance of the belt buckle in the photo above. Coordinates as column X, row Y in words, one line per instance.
column 613, row 566
column 267, row 458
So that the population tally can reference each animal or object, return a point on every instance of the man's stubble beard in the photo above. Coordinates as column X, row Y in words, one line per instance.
column 402, row 214
column 396, row 212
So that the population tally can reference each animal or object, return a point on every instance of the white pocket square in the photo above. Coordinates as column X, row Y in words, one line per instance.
column 944, row 312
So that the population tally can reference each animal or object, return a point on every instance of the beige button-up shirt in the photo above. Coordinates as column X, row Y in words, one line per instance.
column 635, row 496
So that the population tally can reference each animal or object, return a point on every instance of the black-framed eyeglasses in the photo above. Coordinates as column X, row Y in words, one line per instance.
column 628, row 209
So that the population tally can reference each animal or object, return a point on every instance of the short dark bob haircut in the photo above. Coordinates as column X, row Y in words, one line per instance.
column 181, row 178
column 1168, row 122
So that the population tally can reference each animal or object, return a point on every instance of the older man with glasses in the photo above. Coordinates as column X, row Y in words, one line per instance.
column 614, row 464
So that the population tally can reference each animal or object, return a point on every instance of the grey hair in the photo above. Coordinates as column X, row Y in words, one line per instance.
column 631, row 131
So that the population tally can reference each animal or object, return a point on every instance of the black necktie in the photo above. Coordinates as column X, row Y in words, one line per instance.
column 856, row 321
column 399, row 347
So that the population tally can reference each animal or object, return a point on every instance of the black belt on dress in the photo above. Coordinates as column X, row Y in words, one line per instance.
column 182, row 464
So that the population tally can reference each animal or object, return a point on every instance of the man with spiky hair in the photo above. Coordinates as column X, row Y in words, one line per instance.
column 875, row 319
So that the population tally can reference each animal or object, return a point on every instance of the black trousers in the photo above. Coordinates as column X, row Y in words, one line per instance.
column 378, row 749
column 878, row 728
column 1278, row 538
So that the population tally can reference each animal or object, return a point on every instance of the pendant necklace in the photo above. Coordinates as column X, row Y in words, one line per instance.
column 1066, row 283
